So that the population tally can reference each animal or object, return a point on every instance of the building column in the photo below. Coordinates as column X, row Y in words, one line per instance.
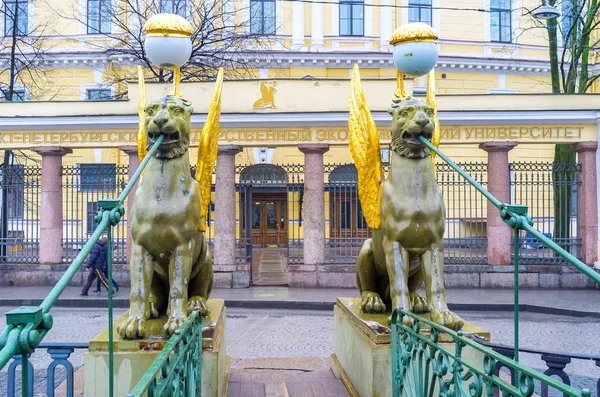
column 498, row 233
column 314, row 203
column 134, row 162
column 587, row 198
column 297, row 25
column 385, row 25
column 51, row 214
column 225, row 217
column 317, row 37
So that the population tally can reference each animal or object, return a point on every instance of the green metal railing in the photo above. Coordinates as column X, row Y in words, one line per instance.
column 27, row 326
column 177, row 371
column 422, row 367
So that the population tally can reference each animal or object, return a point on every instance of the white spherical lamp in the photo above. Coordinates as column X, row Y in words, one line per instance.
column 415, row 49
column 167, row 42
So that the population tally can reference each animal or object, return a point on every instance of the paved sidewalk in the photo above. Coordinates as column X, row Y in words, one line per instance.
column 562, row 302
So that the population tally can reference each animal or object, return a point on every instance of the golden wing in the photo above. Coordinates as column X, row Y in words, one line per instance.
column 437, row 132
column 141, row 136
column 207, row 150
column 364, row 145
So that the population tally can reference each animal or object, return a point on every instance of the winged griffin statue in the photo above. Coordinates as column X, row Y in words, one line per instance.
column 170, row 266
column 405, row 210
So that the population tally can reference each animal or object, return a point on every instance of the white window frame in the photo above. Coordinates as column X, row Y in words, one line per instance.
column 85, row 87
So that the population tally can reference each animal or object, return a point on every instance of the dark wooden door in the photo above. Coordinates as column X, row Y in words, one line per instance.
column 269, row 220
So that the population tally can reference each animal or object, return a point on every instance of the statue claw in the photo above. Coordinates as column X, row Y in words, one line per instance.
column 371, row 302
column 198, row 303
column 447, row 319
column 133, row 327
column 172, row 325
column 153, row 310
column 417, row 303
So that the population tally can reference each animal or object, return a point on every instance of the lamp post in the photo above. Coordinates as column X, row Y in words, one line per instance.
column 415, row 53
column 168, row 43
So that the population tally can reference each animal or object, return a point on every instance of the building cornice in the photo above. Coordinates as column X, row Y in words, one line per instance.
column 308, row 119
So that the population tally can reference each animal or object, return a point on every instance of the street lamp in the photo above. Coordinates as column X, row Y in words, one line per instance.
column 415, row 53
column 168, row 43
column 546, row 12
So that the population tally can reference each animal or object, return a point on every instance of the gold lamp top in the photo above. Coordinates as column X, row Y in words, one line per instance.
column 168, row 25
column 416, row 31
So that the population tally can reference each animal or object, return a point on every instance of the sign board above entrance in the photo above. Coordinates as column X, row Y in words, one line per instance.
column 292, row 136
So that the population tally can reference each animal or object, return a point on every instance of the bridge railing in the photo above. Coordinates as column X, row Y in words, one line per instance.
column 27, row 326
column 422, row 367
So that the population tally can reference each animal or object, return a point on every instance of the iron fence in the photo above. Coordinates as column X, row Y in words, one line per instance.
column 44, row 383
column 465, row 239
column 550, row 191
column 83, row 186
column 21, row 188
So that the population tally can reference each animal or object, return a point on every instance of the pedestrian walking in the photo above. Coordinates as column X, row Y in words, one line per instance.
column 96, row 261
column 105, row 271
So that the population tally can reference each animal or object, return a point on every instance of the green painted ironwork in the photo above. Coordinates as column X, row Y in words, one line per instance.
column 27, row 326
column 177, row 371
column 421, row 366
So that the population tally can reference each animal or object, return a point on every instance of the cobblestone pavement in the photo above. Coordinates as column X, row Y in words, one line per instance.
column 264, row 343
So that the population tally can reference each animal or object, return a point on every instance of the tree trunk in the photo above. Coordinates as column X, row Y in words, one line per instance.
column 562, row 178
column 13, row 66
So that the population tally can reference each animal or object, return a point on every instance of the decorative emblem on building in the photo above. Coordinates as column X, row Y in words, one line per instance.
column 267, row 95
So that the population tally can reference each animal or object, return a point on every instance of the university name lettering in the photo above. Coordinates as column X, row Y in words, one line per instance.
column 289, row 135
column 529, row 132
column 294, row 135
column 41, row 138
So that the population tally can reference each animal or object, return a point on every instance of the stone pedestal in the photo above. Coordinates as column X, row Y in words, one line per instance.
column 51, row 214
column 133, row 357
column 498, row 233
column 363, row 354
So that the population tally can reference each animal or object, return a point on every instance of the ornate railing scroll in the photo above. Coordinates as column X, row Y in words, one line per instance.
column 422, row 367
column 420, row 364
column 27, row 326
column 177, row 371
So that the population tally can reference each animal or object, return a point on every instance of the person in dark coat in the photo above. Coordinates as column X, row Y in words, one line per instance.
column 96, row 261
column 105, row 271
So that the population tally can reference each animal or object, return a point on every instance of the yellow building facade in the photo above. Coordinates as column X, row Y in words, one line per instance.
column 492, row 81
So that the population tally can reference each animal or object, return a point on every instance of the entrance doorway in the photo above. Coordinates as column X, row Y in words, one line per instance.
column 269, row 220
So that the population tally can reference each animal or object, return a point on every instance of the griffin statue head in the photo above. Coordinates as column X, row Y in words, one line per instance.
column 170, row 116
column 410, row 119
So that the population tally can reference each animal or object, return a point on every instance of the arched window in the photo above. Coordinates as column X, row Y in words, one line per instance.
column 263, row 173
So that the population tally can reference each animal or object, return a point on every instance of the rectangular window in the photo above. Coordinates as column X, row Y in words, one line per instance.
column 19, row 95
column 500, row 21
column 15, row 184
column 173, row 7
column 419, row 11
column 98, row 94
column 16, row 13
column 99, row 16
column 571, row 12
column 262, row 16
column 98, row 177
column 352, row 18
column 92, row 208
